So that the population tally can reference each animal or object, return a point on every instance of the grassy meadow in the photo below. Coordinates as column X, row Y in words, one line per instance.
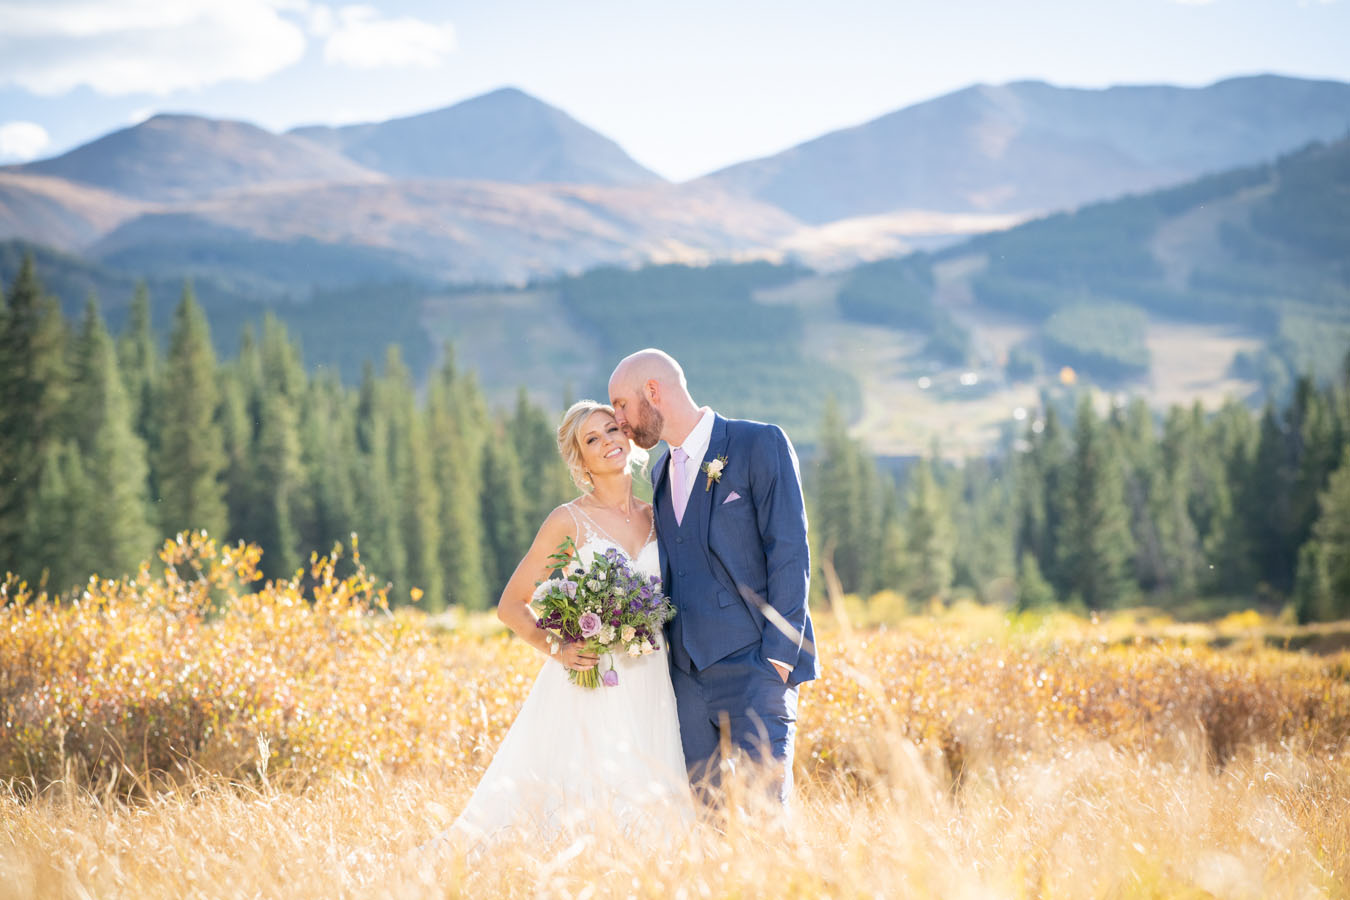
column 195, row 731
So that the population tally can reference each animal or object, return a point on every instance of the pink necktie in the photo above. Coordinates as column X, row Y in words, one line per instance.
column 679, row 491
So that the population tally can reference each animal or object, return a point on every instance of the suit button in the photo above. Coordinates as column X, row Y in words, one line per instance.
column 679, row 540
column 681, row 574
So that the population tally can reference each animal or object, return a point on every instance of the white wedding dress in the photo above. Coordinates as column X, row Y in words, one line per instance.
column 580, row 758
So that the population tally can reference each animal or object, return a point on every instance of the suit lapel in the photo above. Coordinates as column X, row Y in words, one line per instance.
column 717, row 446
column 659, row 477
column 658, row 503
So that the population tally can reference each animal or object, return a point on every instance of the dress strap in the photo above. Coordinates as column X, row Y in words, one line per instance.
column 585, row 526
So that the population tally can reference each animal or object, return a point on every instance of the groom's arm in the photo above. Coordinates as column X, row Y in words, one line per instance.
column 775, row 481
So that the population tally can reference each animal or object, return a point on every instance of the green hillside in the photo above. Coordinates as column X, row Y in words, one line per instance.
column 1266, row 247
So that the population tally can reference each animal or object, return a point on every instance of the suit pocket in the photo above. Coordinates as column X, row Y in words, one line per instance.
column 724, row 599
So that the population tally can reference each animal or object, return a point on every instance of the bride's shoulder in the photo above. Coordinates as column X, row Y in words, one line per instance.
column 561, row 522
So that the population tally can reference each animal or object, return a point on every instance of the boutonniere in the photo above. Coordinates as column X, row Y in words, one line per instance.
column 714, row 468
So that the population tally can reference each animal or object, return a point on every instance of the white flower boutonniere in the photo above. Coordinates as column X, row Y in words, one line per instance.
column 714, row 468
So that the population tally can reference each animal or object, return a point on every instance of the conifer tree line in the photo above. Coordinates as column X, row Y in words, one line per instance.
column 108, row 446
column 1104, row 511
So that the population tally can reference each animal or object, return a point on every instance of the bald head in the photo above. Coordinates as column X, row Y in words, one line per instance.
column 648, row 365
column 651, row 398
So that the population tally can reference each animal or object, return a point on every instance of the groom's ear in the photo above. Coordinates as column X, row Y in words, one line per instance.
column 652, row 387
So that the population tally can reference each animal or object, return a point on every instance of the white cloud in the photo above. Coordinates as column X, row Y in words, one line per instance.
column 22, row 141
column 363, row 40
column 122, row 47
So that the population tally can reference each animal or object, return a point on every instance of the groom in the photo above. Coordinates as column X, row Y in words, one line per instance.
column 731, row 527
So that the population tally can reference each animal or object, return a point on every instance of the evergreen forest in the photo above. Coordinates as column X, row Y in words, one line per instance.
column 110, row 443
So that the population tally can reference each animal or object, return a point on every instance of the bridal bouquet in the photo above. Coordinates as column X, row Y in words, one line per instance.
column 606, row 604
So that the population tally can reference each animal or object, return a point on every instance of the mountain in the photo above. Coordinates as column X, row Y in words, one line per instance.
column 285, row 240
column 57, row 212
column 505, row 135
column 1032, row 147
column 173, row 158
column 1220, row 287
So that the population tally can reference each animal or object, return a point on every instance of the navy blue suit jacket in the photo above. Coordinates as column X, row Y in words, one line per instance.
column 751, row 523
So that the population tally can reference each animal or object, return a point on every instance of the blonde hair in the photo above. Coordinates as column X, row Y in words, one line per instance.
column 569, row 442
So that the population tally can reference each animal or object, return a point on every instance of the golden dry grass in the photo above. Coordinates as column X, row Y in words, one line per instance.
column 963, row 755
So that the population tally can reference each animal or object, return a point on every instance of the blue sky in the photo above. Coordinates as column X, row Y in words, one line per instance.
column 685, row 87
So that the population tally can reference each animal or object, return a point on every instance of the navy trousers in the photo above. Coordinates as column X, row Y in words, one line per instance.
column 760, row 710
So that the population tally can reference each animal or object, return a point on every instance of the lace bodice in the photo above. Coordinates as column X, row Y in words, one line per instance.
column 591, row 538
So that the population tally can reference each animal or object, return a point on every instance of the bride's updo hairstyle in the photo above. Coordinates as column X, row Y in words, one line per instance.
column 569, row 442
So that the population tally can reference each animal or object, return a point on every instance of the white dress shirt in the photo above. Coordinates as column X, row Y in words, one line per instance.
column 696, row 447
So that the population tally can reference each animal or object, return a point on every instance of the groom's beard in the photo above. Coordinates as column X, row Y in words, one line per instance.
column 645, row 428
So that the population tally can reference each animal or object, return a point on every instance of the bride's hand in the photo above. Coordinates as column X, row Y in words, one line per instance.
column 573, row 655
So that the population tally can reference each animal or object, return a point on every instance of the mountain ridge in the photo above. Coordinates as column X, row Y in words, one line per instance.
column 176, row 157
column 987, row 148
column 505, row 135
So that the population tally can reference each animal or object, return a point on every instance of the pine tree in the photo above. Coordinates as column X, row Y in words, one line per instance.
column 456, row 460
column 1172, row 501
column 114, row 518
column 381, row 541
column 1227, row 451
column 1033, row 591
column 191, row 461
column 930, row 538
column 279, row 478
column 60, row 552
column 847, row 513
column 1040, row 475
column 1094, row 536
column 415, row 489
column 1143, row 488
column 890, row 569
column 505, row 531
column 983, row 512
column 546, row 482
column 330, row 462
column 33, row 392
column 139, row 363
column 1324, row 561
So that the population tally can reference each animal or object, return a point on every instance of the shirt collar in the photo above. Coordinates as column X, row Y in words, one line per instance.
column 696, row 442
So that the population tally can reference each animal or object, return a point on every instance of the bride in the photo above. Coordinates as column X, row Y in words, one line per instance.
column 580, row 757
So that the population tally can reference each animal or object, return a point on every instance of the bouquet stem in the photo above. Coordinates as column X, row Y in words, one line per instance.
column 589, row 678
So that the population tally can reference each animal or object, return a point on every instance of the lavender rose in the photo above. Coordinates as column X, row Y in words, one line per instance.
column 590, row 624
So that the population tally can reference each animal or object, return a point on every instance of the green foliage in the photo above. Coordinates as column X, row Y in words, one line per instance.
column 33, row 389
column 1094, row 537
column 191, row 463
column 1322, row 590
column 1033, row 591
column 111, row 525
column 742, row 357
column 930, row 537
column 897, row 293
column 846, row 512
column 1105, row 340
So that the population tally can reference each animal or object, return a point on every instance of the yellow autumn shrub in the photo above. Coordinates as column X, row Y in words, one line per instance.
column 187, row 670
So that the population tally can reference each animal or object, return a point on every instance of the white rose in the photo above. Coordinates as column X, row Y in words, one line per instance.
column 628, row 633
column 647, row 647
column 607, row 636
column 715, row 467
column 635, row 650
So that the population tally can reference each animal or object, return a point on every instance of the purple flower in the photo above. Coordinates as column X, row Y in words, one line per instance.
column 590, row 624
column 610, row 678
column 570, row 589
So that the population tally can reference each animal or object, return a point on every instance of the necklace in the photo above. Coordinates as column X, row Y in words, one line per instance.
column 627, row 515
